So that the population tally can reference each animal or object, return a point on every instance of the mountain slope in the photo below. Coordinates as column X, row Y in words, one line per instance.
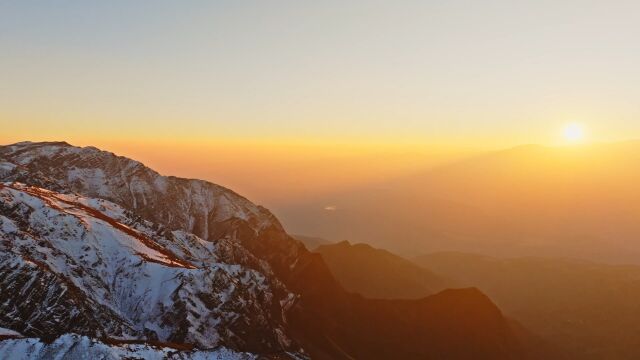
column 379, row 274
column 327, row 321
column 195, row 206
column 310, row 242
column 454, row 324
column 74, row 264
column 590, row 309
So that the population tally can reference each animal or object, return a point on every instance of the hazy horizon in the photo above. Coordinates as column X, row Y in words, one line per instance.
column 276, row 174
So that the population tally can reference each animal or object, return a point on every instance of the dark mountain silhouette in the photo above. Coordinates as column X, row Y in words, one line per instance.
column 379, row 274
column 589, row 309
column 310, row 242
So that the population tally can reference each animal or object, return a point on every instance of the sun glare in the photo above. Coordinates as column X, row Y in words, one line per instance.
column 573, row 132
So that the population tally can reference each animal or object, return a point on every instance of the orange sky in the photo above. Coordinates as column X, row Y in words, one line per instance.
column 275, row 172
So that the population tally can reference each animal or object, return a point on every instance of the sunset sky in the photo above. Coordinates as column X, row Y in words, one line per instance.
column 312, row 76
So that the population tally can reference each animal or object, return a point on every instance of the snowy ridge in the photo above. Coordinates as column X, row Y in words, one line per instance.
column 89, row 171
column 198, row 207
column 115, row 276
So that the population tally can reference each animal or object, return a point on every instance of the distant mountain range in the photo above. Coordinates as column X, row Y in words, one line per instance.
column 583, row 309
column 579, row 202
column 379, row 274
column 310, row 242
column 102, row 255
column 589, row 309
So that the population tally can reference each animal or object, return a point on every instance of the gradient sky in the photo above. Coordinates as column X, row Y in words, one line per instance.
column 499, row 72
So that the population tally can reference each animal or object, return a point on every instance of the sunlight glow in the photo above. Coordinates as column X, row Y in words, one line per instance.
column 573, row 132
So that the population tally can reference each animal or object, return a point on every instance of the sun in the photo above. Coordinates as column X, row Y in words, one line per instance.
column 573, row 132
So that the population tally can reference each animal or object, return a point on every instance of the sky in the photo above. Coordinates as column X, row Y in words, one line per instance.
column 505, row 72
column 231, row 76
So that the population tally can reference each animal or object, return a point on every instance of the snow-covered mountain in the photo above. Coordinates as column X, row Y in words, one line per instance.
column 75, row 264
column 101, row 246
column 207, row 210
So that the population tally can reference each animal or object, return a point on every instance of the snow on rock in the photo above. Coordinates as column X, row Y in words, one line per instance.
column 75, row 264
column 207, row 210
column 6, row 168
column 100, row 174
column 9, row 332
column 71, row 346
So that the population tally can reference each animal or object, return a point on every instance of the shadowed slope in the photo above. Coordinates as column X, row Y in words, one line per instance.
column 376, row 273
column 588, row 308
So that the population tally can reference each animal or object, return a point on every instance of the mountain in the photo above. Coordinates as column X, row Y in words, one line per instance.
column 195, row 206
column 578, row 202
column 75, row 264
column 379, row 274
column 190, row 262
column 587, row 308
column 82, row 347
column 310, row 242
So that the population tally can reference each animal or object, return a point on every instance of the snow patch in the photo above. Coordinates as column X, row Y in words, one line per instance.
column 9, row 332
column 71, row 346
